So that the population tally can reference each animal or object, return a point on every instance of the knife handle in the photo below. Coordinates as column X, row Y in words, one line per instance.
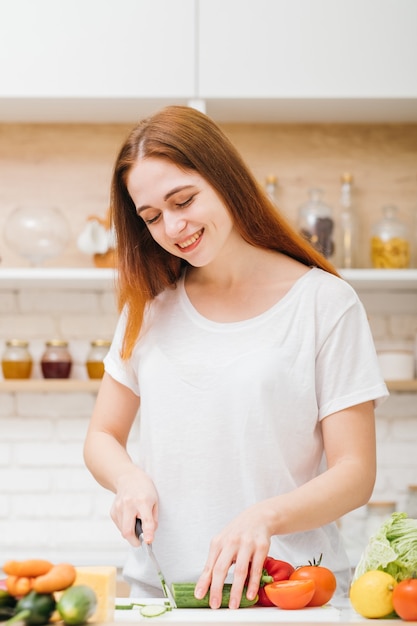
column 138, row 528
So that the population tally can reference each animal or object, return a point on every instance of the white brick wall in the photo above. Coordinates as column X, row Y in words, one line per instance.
column 49, row 504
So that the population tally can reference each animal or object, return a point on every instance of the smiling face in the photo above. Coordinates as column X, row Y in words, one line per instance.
column 183, row 213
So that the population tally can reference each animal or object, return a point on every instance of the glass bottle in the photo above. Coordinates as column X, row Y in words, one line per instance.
column 378, row 512
column 316, row 223
column 56, row 361
column 411, row 501
column 271, row 183
column 390, row 247
column 16, row 360
column 348, row 240
column 95, row 358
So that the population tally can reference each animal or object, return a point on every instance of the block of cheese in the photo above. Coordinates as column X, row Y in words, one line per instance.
column 102, row 579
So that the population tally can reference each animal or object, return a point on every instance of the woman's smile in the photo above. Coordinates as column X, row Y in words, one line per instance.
column 188, row 243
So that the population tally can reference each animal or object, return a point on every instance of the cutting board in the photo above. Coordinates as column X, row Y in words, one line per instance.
column 255, row 614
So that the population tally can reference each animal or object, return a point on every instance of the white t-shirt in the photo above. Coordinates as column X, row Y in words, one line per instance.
column 230, row 415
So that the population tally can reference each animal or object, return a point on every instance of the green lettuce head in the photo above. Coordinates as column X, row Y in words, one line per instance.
column 392, row 549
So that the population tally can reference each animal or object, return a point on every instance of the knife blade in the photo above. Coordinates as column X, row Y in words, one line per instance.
column 165, row 588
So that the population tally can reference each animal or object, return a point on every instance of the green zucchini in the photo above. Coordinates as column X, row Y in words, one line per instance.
column 6, row 599
column 6, row 612
column 7, row 605
column 34, row 609
column 184, row 597
column 77, row 604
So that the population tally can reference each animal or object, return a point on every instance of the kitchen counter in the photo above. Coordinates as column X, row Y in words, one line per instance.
column 341, row 614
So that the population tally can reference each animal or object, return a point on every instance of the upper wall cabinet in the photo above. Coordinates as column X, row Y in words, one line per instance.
column 251, row 60
column 97, row 49
column 308, row 48
column 323, row 54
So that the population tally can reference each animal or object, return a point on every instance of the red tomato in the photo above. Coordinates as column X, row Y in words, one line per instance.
column 324, row 579
column 404, row 599
column 290, row 594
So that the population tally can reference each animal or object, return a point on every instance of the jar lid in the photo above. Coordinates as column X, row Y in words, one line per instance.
column 412, row 487
column 271, row 179
column 346, row 177
column 381, row 504
column 61, row 343
column 101, row 342
column 18, row 343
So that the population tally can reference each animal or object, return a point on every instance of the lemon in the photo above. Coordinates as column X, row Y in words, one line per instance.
column 371, row 594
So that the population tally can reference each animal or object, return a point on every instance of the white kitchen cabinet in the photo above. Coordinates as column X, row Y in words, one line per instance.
column 309, row 60
column 87, row 49
column 307, row 48
column 250, row 60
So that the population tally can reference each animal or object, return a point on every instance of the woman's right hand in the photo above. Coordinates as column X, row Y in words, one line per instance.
column 107, row 459
column 136, row 497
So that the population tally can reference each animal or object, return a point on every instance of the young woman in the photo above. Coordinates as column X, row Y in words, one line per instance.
column 252, row 363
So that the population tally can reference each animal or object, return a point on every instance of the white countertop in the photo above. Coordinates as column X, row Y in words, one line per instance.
column 340, row 612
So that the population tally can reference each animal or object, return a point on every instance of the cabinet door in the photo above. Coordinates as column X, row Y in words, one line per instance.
column 96, row 48
column 307, row 48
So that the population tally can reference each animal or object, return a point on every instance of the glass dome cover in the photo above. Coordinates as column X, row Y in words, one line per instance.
column 37, row 233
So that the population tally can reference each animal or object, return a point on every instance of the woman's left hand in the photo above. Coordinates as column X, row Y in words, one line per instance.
column 243, row 543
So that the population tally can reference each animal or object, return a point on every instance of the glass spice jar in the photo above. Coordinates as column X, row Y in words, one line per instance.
column 316, row 223
column 390, row 246
column 16, row 360
column 56, row 361
column 95, row 358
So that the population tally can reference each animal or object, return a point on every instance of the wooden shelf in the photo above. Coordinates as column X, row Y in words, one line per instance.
column 62, row 278
column 402, row 385
column 70, row 385
column 64, row 385
column 92, row 278
column 381, row 280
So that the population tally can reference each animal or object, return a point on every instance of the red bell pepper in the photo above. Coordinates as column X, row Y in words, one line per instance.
column 273, row 571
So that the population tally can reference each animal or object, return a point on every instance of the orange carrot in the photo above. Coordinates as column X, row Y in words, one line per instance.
column 29, row 568
column 18, row 585
column 58, row 578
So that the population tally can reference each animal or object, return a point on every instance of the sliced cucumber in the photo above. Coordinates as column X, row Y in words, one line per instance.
column 153, row 610
column 185, row 598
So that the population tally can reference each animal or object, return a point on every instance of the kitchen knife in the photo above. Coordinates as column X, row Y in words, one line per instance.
column 148, row 546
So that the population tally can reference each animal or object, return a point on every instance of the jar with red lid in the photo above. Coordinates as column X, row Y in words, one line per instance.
column 56, row 361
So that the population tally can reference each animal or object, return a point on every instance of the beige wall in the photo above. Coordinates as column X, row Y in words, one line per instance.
column 70, row 165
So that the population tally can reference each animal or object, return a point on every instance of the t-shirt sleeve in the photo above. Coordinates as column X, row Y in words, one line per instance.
column 347, row 367
column 120, row 369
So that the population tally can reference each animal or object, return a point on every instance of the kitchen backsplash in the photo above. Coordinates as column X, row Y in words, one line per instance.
column 70, row 166
column 49, row 504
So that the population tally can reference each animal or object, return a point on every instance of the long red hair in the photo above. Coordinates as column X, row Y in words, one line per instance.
column 192, row 141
